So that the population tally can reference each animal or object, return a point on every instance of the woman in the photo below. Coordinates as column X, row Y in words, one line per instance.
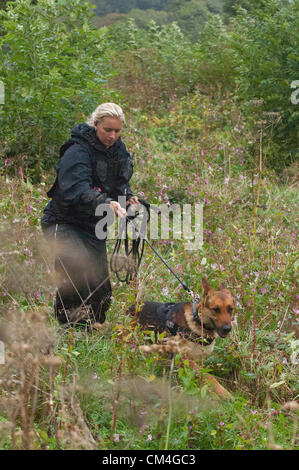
column 94, row 168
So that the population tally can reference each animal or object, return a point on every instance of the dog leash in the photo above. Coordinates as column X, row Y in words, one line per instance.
column 130, row 270
column 137, row 259
column 195, row 297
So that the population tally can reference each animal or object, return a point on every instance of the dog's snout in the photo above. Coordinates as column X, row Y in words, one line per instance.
column 226, row 329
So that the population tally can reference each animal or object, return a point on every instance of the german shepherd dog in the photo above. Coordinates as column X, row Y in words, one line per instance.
column 193, row 326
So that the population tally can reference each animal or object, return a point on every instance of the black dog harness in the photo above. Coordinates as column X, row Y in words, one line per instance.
column 175, row 329
column 170, row 325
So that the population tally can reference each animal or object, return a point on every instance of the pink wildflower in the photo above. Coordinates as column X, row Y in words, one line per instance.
column 165, row 291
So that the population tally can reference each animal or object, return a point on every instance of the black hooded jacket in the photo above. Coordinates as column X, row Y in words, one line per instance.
column 88, row 174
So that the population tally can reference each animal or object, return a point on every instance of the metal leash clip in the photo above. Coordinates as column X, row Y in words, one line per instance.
column 195, row 299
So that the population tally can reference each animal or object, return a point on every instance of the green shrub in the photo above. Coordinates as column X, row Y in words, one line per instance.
column 54, row 71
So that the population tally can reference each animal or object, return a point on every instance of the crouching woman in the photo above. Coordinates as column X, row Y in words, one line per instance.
column 94, row 168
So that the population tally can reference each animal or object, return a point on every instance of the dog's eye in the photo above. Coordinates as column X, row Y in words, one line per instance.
column 230, row 309
column 216, row 310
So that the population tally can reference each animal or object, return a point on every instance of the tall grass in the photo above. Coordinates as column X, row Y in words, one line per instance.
column 63, row 388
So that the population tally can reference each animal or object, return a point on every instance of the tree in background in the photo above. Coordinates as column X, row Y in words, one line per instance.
column 191, row 15
column 104, row 7
column 144, row 17
column 230, row 6
column 54, row 70
column 152, row 4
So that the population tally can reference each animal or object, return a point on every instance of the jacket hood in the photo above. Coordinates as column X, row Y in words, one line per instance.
column 87, row 133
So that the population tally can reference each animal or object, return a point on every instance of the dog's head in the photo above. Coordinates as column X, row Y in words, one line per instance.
column 218, row 309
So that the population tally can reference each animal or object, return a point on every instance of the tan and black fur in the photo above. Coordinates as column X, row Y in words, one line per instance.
column 192, row 330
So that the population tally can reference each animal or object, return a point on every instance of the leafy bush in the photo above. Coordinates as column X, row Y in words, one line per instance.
column 54, row 71
column 155, row 66
column 266, row 43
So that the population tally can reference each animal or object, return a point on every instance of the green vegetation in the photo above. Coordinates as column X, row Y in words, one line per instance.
column 57, row 71
column 190, row 15
column 49, row 78
column 209, row 120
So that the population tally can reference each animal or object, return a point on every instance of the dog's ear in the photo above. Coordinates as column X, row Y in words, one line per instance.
column 206, row 287
column 222, row 286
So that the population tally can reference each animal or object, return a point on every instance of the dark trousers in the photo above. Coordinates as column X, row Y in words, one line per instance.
column 81, row 270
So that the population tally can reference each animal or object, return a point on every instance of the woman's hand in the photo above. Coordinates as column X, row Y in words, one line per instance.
column 133, row 200
column 118, row 210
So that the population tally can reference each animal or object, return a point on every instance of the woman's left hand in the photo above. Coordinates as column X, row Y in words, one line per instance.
column 133, row 200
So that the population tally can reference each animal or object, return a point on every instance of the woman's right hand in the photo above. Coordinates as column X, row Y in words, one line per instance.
column 118, row 210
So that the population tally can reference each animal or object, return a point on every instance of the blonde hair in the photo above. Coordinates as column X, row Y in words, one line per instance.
column 106, row 110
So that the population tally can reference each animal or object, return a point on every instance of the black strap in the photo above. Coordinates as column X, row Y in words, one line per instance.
column 137, row 257
column 169, row 323
column 130, row 263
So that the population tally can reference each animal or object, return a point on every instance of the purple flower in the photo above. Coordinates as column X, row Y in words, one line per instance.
column 263, row 290
column 30, row 262
column 143, row 428
column 165, row 290
column 116, row 437
column 36, row 295
column 149, row 437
